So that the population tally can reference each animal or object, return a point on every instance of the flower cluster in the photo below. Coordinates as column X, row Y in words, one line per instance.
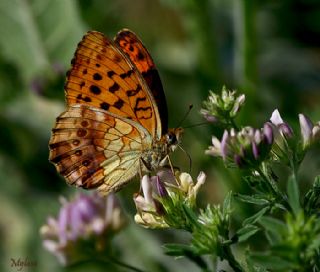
column 249, row 147
column 285, row 137
column 160, row 196
column 221, row 109
column 245, row 148
column 88, row 219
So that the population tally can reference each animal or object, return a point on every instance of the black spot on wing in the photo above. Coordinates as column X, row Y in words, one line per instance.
column 95, row 89
column 105, row 106
column 83, row 98
column 115, row 87
column 97, row 76
column 110, row 73
column 119, row 103
column 127, row 74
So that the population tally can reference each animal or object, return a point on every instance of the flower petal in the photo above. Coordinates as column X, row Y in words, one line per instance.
column 268, row 133
column 276, row 118
column 306, row 129
column 147, row 189
column 224, row 146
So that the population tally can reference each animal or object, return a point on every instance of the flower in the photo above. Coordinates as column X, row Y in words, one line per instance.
column 222, row 108
column 149, row 212
column 247, row 147
column 310, row 133
column 90, row 219
column 162, row 194
column 283, row 128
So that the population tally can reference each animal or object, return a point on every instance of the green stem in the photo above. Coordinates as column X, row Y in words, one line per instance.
column 294, row 168
column 124, row 265
column 245, row 53
column 233, row 124
column 104, row 261
column 214, row 262
column 228, row 255
column 274, row 188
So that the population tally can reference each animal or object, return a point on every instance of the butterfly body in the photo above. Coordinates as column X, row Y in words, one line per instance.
column 115, row 125
column 154, row 157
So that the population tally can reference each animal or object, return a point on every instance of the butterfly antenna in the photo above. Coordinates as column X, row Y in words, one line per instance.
column 189, row 157
column 197, row 125
column 185, row 115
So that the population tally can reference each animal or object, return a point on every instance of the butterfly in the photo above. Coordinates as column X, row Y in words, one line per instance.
column 116, row 122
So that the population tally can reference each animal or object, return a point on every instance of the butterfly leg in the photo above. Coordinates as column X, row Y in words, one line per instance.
column 164, row 164
column 143, row 163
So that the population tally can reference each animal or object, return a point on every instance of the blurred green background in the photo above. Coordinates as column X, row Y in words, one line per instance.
column 269, row 50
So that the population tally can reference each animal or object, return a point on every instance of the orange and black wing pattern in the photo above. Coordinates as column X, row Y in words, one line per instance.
column 102, row 76
column 139, row 55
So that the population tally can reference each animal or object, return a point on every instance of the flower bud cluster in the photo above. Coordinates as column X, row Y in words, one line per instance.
column 161, row 193
column 309, row 132
column 245, row 148
column 222, row 108
column 90, row 219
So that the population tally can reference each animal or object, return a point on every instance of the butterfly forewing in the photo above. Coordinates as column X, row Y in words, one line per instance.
column 102, row 76
column 139, row 55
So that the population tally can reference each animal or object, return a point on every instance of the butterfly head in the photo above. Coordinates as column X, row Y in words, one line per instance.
column 173, row 138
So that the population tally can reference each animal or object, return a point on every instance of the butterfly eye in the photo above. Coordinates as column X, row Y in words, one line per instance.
column 171, row 138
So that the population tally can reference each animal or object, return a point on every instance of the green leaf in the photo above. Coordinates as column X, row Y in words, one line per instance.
column 293, row 195
column 274, row 228
column 190, row 216
column 246, row 232
column 253, row 219
column 286, row 251
column 250, row 266
column 270, row 262
column 180, row 250
column 254, row 199
column 273, row 225
column 176, row 249
column 227, row 205
column 315, row 244
column 37, row 33
column 311, row 198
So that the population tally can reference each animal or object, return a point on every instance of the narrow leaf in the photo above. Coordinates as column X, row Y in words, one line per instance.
column 274, row 228
column 176, row 249
column 272, row 224
column 191, row 216
column 254, row 199
column 270, row 262
column 253, row 219
column 246, row 232
column 180, row 250
column 227, row 204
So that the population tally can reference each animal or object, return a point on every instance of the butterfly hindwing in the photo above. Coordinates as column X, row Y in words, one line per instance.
column 92, row 148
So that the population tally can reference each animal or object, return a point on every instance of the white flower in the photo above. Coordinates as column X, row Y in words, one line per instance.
column 310, row 133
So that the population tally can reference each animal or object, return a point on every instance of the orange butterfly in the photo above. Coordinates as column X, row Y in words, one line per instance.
column 115, row 125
